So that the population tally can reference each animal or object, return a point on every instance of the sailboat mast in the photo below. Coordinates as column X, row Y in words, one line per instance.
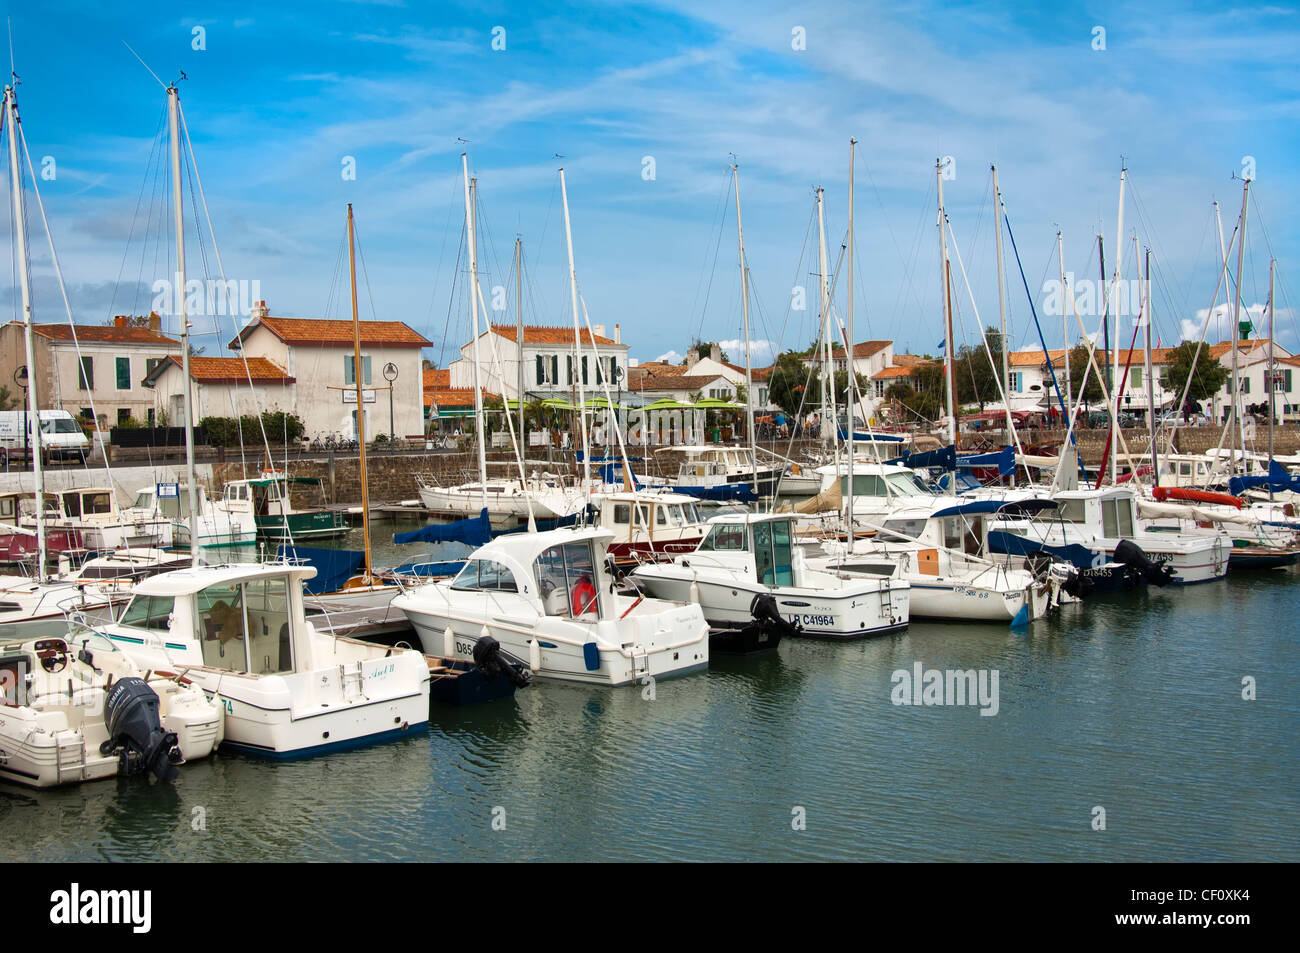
column 1272, row 265
column 473, row 309
column 744, row 305
column 356, row 377
column 945, row 271
column 577, row 341
column 1114, row 307
column 1002, row 312
column 173, row 119
column 1065, row 329
column 519, row 304
column 1151, row 384
column 828, row 379
column 850, row 344
column 1237, row 435
column 33, row 422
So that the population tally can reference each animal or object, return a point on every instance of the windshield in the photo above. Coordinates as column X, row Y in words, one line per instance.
column 60, row 425
column 907, row 484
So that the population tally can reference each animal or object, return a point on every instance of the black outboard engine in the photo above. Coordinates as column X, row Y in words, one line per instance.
column 136, row 733
column 765, row 632
column 1131, row 555
column 490, row 661
column 1077, row 584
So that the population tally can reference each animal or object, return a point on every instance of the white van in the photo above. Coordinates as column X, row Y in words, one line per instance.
column 61, row 435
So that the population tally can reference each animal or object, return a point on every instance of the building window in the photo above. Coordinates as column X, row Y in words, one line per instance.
column 1017, row 381
column 541, row 371
column 350, row 371
column 87, row 375
column 85, row 413
column 123, row 415
column 149, row 417
column 1136, row 374
column 123, row 366
column 585, row 380
column 1245, row 385
column 555, row 369
column 568, row 359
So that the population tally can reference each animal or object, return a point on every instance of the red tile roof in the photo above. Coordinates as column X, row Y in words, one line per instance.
column 227, row 370
column 436, row 377
column 103, row 333
column 863, row 348
column 453, row 396
column 320, row 332
column 893, row 371
column 539, row 334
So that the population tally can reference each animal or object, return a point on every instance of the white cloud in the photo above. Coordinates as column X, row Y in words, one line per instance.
column 760, row 351
column 1220, row 326
column 672, row 357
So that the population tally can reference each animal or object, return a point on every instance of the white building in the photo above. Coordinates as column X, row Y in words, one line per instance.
column 99, row 375
column 221, row 388
column 550, row 366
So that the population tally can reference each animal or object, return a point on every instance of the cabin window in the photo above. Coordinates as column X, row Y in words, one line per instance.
column 864, row 484
column 661, row 516
column 92, row 503
column 1117, row 518
column 566, row 576
column 1185, row 469
column 912, row 529
column 622, row 514
column 266, row 607
column 71, row 505
column 1072, row 511
column 485, row 574
column 907, row 484
column 149, row 612
column 725, row 537
column 143, row 501
column 221, row 627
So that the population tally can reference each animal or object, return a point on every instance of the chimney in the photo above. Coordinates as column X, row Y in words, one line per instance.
column 119, row 320
column 598, row 329
column 155, row 322
column 258, row 311
column 618, row 334
column 715, row 354
column 692, row 357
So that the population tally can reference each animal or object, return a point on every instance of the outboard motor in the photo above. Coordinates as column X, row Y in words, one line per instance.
column 490, row 661
column 1131, row 555
column 765, row 632
column 136, row 733
column 1076, row 583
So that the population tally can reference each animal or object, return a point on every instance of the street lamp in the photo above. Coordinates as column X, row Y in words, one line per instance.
column 20, row 378
column 390, row 375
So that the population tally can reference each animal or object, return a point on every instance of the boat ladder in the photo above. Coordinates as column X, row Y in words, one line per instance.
column 886, row 600
column 69, row 757
column 352, row 679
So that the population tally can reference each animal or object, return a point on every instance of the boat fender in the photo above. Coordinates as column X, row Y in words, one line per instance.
column 591, row 656
column 135, row 731
column 1131, row 554
column 448, row 643
column 534, row 655
column 694, row 594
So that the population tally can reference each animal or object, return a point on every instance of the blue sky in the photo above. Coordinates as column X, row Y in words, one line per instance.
column 282, row 93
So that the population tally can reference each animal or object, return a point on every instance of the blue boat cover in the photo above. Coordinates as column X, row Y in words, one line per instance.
column 945, row 458
column 1004, row 459
column 334, row 567
column 722, row 493
column 437, row 570
column 1278, row 480
column 1009, row 543
column 474, row 531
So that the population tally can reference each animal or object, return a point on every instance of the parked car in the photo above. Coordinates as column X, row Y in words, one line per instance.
column 61, row 435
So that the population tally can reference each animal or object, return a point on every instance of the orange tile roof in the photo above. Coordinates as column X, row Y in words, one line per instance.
column 453, row 396
column 1225, row 347
column 909, row 360
column 322, row 332
column 227, row 370
column 863, row 348
column 539, row 334
column 893, row 371
column 436, row 377
column 103, row 333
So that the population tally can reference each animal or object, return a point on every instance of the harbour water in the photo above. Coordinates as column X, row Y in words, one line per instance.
column 1132, row 703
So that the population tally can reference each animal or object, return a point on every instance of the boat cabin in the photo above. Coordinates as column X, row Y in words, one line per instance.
column 1111, row 513
column 651, row 522
column 762, row 544
column 90, row 503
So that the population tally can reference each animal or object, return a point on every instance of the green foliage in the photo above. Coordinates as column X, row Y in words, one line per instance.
column 8, row 401
column 226, row 431
column 921, row 396
column 786, row 384
column 976, row 375
column 1208, row 376
column 842, row 387
column 1092, row 393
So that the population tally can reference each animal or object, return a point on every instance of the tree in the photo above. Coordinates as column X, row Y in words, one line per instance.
column 787, row 382
column 8, row 401
column 703, row 349
column 1208, row 375
column 842, row 387
column 1078, row 368
column 921, row 396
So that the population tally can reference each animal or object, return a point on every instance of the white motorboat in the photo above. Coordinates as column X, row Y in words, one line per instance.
column 722, row 473
column 31, row 607
column 267, row 501
column 936, row 546
column 1089, row 527
column 746, row 556
column 508, row 501
column 549, row 600
column 215, row 527
column 650, row 523
column 77, row 709
column 94, row 514
column 288, row 690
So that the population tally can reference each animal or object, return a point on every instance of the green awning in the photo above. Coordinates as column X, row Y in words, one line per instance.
column 713, row 403
column 667, row 403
